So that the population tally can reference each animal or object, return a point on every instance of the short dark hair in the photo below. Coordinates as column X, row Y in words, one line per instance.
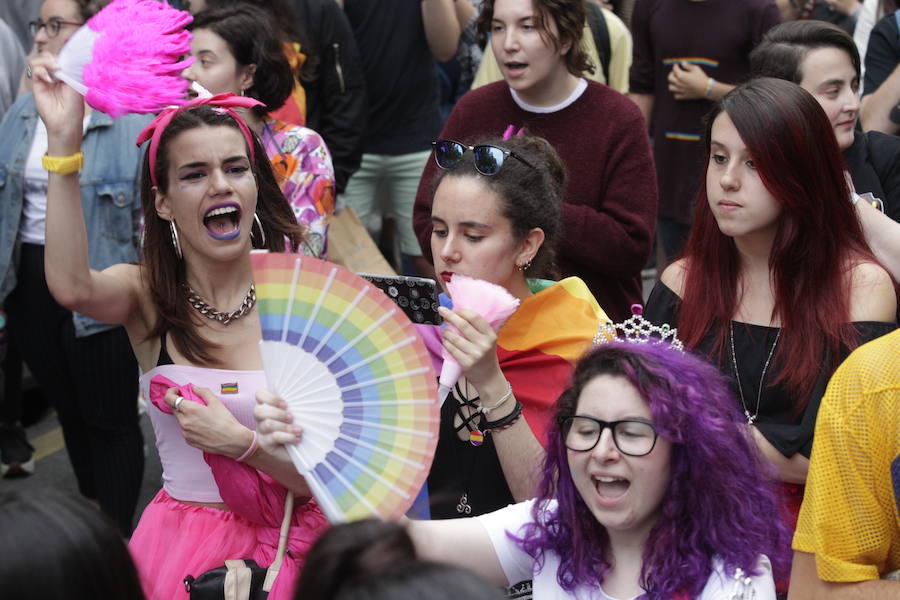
column 531, row 194
column 783, row 48
column 351, row 554
column 569, row 16
column 57, row 545
column 423, row 579
column 375, row 560
column 253, row 39
column 284, row 16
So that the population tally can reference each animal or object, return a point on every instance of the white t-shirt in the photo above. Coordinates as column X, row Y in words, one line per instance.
column 575, row 95
column 519, row 566
column 34, row 209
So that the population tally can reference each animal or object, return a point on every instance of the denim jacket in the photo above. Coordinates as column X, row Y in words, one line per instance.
column 110, row 192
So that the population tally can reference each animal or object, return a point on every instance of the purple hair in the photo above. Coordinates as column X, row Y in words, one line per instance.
column 720, row 503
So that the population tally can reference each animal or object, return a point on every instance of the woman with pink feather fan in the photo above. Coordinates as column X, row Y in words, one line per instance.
column 208, row 196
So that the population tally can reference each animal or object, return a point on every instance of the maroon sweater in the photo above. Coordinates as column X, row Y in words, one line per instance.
column 609, row 207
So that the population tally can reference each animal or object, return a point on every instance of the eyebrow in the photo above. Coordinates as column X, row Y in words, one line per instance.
column 835, row 81
column 470, row 224
column 201, row 163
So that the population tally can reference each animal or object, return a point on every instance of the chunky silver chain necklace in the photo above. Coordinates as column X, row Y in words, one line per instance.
column 203, row 307
column 737, row 375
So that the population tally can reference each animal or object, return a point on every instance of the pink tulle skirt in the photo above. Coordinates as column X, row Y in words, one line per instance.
column 173, row 540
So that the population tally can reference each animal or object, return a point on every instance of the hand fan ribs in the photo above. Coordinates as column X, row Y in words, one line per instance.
column 357, row 379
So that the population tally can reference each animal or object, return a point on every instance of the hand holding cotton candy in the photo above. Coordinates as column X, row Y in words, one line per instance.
column 489, row 300
column 125, row 59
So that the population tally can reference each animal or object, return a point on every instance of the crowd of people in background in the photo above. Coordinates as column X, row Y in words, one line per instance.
column 732, row 166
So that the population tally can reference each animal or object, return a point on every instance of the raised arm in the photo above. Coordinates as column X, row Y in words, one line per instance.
column 461, row 542
column 441, row 28
column 475, row 349
column 110, row 296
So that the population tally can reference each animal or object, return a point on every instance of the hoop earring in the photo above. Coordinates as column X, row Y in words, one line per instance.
column 262, row 232
column 175, row 242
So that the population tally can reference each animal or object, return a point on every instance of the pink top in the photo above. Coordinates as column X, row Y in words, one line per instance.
column 186, row 476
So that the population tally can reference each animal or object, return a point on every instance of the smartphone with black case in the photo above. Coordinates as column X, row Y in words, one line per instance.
column 416, row 296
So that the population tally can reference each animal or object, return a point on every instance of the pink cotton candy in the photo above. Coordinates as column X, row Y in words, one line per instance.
column 489, row 300
column 133, row 64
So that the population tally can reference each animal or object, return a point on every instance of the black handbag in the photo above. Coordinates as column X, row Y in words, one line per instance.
column 242, row 579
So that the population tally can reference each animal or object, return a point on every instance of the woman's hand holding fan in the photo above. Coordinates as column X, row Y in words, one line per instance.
column 60, row 107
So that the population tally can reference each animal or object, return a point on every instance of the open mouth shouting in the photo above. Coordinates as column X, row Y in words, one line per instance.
column 610, row 489
column 223, row 221
column 514, row 68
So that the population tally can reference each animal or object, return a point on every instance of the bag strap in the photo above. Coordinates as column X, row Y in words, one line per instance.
column 600, row 31
column 272, row 571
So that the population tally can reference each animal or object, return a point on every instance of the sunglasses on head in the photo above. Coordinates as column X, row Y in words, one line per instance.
column 487, row 158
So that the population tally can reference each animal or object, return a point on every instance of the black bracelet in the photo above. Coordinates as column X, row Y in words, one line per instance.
column 505, row 421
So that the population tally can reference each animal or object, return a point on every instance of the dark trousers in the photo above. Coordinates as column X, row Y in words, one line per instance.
column 92, row 382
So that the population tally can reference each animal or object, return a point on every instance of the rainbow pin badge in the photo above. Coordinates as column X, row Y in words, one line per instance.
column 229, row 388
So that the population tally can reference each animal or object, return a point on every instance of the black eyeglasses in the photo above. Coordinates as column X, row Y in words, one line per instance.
column 631, row 437
column 488, row 159
column 53, row 26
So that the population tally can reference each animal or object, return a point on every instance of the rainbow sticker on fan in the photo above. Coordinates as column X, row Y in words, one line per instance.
column 356, row 377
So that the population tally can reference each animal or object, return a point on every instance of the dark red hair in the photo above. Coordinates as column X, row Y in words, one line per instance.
column 817, row 243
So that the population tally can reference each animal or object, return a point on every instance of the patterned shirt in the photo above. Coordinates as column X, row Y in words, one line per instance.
column 302, row 166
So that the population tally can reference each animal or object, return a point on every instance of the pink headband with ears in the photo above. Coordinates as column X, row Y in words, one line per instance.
column 511, row 131
column 224, row 102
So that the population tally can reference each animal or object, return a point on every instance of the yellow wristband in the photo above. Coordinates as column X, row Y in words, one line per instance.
column 63, row 164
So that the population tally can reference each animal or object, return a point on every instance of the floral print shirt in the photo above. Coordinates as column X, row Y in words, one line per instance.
column 302, row 165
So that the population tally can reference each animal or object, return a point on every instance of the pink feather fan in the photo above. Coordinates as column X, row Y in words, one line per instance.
column 125, row 59
column 489, row 300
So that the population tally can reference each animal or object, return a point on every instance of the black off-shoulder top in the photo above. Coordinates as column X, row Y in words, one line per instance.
column 788, row 433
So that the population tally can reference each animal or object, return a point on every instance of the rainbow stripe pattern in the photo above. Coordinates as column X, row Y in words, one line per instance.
column 357, row 379
column 683, row 137
column 694, row 60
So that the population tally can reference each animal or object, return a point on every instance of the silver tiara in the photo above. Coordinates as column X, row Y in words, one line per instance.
column 639, row 330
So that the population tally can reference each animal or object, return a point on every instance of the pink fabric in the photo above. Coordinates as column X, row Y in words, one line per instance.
column 186, row 476
column 258, row 498
column 160, row 384
column 226, row 102
column 174, row 539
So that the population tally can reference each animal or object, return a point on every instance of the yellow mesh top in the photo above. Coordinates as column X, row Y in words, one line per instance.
column 851, row 511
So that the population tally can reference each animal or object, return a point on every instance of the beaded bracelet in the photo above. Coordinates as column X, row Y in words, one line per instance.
column 506, row 422
column 254, row 446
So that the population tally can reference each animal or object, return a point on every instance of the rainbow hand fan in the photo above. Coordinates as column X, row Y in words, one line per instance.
column 127, row 57
column 357, row 379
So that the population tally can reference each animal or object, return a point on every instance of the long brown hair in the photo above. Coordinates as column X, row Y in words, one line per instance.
column 818, row 241
column 165, row 272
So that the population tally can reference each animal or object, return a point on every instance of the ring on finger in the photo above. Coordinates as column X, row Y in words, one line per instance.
column 176, row 406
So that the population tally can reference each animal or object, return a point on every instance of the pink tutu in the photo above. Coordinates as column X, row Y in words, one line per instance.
column 173, row 540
